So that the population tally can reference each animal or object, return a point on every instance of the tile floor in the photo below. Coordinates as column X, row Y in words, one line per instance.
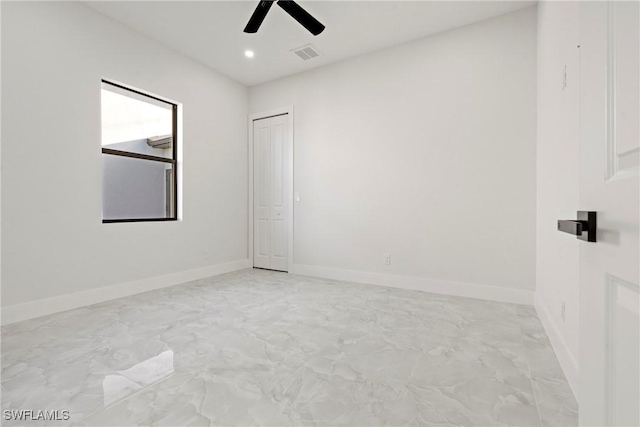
column 262, row 348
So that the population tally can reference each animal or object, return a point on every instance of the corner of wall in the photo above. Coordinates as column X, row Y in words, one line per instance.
column 567, row 360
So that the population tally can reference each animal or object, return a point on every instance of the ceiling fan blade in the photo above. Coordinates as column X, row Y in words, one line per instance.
column 258, row 16
column 302, row 16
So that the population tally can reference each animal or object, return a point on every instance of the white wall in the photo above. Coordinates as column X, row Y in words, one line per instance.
column 425, row 151
column 557, row 175
column 54, row 55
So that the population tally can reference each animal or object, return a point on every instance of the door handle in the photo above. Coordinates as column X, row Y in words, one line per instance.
column 584, row 227
column 572, row 227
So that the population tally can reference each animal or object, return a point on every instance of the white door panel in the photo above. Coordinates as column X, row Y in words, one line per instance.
column 271, row 142
column 625, row 38
column 262, row 193
column 262, row 230
column 609, row 158
column 278, row 132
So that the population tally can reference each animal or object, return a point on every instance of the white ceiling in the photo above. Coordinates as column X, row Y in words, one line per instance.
column 211, row 31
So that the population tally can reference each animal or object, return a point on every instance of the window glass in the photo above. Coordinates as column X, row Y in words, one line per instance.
column 135, row 188
column 138, row 156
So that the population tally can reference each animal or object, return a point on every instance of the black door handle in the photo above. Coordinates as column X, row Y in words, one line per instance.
column 584, row 227
column 572, row 227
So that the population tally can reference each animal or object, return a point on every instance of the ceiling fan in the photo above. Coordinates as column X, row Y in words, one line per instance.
column 292, row 8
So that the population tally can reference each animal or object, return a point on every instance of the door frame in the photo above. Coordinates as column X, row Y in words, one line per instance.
column 289, row 191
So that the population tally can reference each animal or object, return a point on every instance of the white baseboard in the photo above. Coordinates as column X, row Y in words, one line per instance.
column 43, row 307
column 470, row 290
column 567, row 360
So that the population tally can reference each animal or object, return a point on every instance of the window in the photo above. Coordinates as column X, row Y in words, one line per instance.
column 139, row 149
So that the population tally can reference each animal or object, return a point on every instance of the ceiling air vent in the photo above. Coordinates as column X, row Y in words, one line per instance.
column 306, row 52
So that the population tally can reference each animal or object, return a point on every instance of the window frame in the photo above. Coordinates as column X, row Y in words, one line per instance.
column 173, row 160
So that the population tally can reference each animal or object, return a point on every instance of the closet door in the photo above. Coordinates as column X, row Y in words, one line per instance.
column 269, row 193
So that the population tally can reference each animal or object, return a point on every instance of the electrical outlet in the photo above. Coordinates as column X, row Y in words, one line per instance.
column 205, row 253
column 387, row 259
column 563, row 311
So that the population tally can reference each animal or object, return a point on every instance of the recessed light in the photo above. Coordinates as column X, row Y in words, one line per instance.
column 248, row 53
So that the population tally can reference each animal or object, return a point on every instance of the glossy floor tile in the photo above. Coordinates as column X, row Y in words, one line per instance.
column 263, row 348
